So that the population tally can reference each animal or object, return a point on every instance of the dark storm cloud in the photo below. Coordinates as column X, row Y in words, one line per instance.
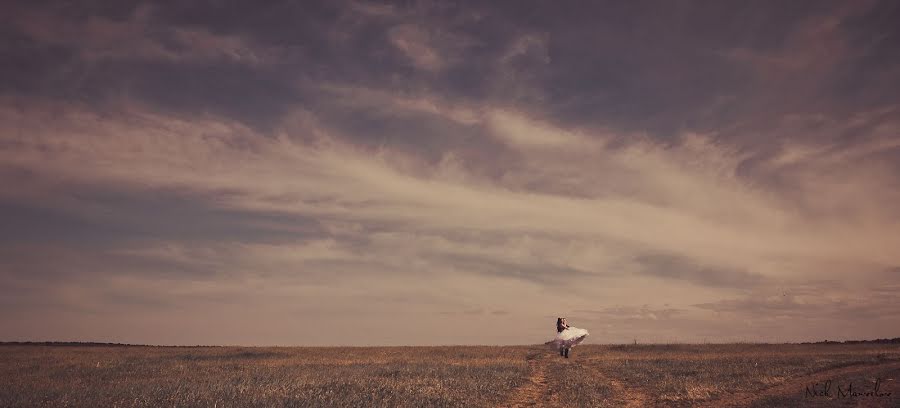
column 584, row 65
column 171, row 69
column 485, row 54
column 27, row 64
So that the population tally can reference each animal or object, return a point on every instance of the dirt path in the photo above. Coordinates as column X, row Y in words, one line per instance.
column 632, row 398
column 535, row 391
column 796, row 386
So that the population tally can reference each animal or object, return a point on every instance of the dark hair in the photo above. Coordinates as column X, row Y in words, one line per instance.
column 559, row 325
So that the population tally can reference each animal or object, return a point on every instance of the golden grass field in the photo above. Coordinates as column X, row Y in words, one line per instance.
column 463, row 376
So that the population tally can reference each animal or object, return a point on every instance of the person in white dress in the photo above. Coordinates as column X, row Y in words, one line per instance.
column 567, row 336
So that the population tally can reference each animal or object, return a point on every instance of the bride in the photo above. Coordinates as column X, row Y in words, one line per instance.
column 567, row 336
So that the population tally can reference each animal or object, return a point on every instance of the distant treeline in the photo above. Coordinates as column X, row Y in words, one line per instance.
column 80, row 344
column 895, row 340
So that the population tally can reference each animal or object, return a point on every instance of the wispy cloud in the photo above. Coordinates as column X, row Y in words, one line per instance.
column 414, row 42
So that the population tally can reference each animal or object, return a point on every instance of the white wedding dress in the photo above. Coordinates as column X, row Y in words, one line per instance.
column 570, row 337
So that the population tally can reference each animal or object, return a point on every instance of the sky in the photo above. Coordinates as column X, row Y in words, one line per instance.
column 435, row 173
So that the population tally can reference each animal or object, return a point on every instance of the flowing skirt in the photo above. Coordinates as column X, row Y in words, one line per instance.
column 570, row 337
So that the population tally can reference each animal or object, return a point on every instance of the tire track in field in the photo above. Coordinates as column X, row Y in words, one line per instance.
column 534, row 392
column 632, row 398
column 796, row 386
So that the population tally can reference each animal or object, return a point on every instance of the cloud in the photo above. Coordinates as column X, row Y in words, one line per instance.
column 664, row 266
column 345, row 181
column 373, row 99
column 99, row 38
column 644, row 312
column 414, row 43
column 373, row 9
column 519, row 132
column 375, row 163
column 849, row 308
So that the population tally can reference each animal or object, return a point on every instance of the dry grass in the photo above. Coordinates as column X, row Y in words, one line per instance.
column 258, row 377
column 640, row 375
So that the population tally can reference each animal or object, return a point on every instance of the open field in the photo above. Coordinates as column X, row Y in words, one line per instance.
column 596, row 375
